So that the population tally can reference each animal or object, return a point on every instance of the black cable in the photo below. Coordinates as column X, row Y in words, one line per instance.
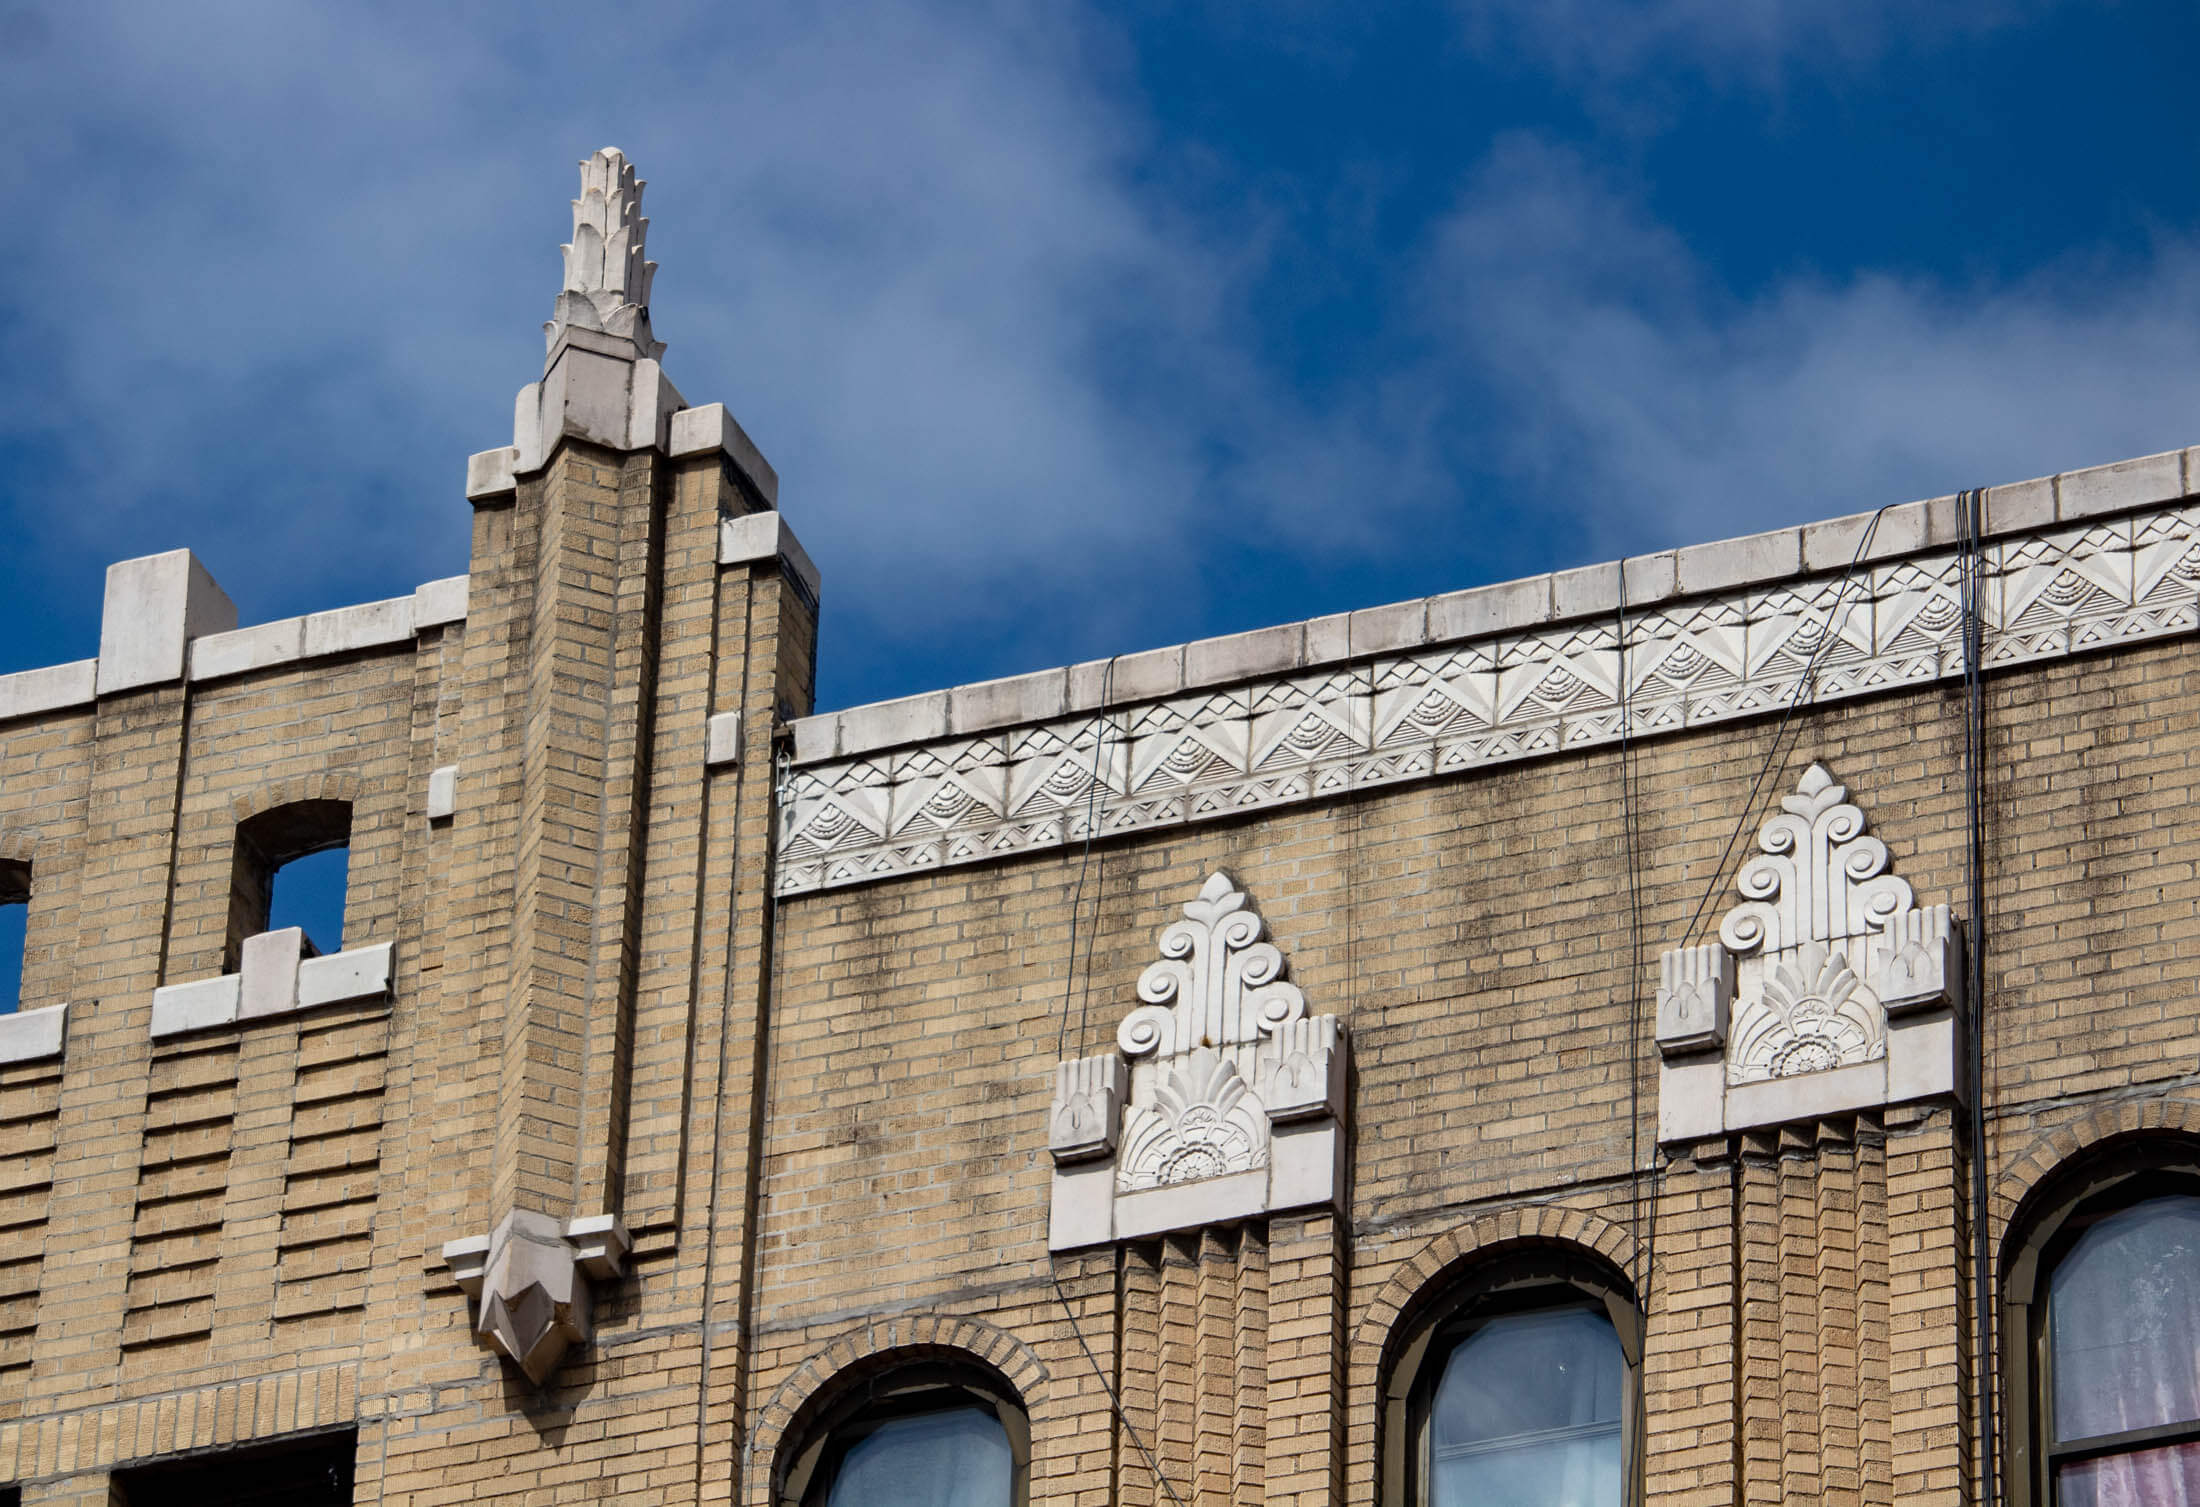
column 1093, row 805
column 1645, row 1234
column 1804, row 685
column 1971, row 554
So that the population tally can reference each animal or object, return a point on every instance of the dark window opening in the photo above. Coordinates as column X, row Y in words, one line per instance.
column 921, row 1435
column 15, row 910
column 291, row 867
column 315, row 1472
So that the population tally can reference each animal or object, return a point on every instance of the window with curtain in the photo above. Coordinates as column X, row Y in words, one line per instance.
column 918, row 1436
column 2121, row 1353
column 1518, row 1388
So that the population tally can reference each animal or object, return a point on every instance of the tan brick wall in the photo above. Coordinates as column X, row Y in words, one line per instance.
column 823, row 1118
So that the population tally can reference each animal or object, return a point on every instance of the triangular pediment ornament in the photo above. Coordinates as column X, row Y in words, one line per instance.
column 1223, row 1098
column 1827, row 965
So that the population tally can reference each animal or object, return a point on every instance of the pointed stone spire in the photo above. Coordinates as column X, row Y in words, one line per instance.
column 607, row 275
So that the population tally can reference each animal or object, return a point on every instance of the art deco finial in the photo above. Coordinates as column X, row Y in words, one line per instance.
column 607, row 275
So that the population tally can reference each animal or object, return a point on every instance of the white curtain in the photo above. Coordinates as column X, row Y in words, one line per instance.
column 955, row 1458
column 1528, row 1414
column 2124, row 1331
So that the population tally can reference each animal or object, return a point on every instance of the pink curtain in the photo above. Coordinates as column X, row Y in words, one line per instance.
column 2124, row 1331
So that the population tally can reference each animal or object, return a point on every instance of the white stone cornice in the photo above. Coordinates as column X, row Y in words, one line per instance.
column 1538, row 667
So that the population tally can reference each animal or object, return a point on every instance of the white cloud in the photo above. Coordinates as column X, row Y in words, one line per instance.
column 1622, row 383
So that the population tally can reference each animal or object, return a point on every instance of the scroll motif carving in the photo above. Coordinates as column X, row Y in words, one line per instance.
column 1161, row 1133
column 1827, row 965
column 1217, row 984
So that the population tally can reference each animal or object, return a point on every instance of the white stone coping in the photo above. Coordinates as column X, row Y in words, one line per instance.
column 214, row 656
column 711, row 429
column 1589, row 592
column 1269, row 719
column 28, row 1035
column 767, row 536
column 204, row 1004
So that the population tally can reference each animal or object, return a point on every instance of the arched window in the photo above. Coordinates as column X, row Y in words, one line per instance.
column 2115, row 1344
column 1519, row 1386
column 922, row 1435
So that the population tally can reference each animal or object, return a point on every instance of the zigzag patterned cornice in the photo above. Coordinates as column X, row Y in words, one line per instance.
column 1455, row 707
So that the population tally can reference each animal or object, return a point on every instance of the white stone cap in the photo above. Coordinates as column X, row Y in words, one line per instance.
column 28, row 1035
column 154, row 607
column 766, row 536
column 357, row 973
column 711, row 429
column 1589, row 592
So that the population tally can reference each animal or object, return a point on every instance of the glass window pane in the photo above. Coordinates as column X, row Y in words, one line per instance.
column 958, row 1457
column 1527, row 1413
column 2124, row 1322
column 2164, row 1477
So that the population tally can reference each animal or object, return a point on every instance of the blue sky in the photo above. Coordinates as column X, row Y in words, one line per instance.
column 1081, row 330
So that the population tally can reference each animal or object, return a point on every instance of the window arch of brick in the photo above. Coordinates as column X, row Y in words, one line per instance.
column 1390, row 1344
column 804, row 1404
column 2084, row 1163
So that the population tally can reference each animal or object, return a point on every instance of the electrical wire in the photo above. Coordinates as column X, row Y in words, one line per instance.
column 1094, row 807
column 1970, row 521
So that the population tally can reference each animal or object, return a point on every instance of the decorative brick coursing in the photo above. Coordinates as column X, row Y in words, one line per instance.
column 2050, row 1153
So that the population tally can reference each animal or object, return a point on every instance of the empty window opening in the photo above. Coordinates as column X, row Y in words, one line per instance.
column 15, row 909
column 291, row 868
column 313, row 1472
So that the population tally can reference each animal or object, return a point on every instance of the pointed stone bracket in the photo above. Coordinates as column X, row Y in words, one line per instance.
column 529, row 1280
column 1829, row 990
column 1223, row 1101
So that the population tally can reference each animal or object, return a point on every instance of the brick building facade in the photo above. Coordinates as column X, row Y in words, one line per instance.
column 1699, row 1029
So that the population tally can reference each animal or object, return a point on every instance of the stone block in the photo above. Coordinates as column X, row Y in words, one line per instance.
column 1833, row 545
column 2118, row 488
column 243, row 649
column 1925, row 1057
column 442, row 792
column 1245, row 656
column 1648, row 578
column 353, row 974
column 1186, row 1206
column 28, row 1035
column 600, row 1243
column 1145, row 676
column 1345, row 636
column 2018, row 506
column 1806, row 1096
column 1306, row 1063
column 489, row 474
column 722, row 740
column 1695, row 992
column 1005, row 703
column 1083, row 1208
column 367, row 626
column 1504, row 608
column 766, row 536
column 711, row 429
column 467, row 1259
column 1754, row 559
column 1306, row 1166
column 154, row 606
column 29, row 692
column 436, row 603
column 270, row 973
column 816, row 737
column 1590, row 591
column 1088, row 1108
column 1691, row 1098
column 886, row 724
column 197, row 1006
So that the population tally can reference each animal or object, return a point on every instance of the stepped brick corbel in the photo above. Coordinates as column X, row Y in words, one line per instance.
column 1829, row 990
column 1223, row 1101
